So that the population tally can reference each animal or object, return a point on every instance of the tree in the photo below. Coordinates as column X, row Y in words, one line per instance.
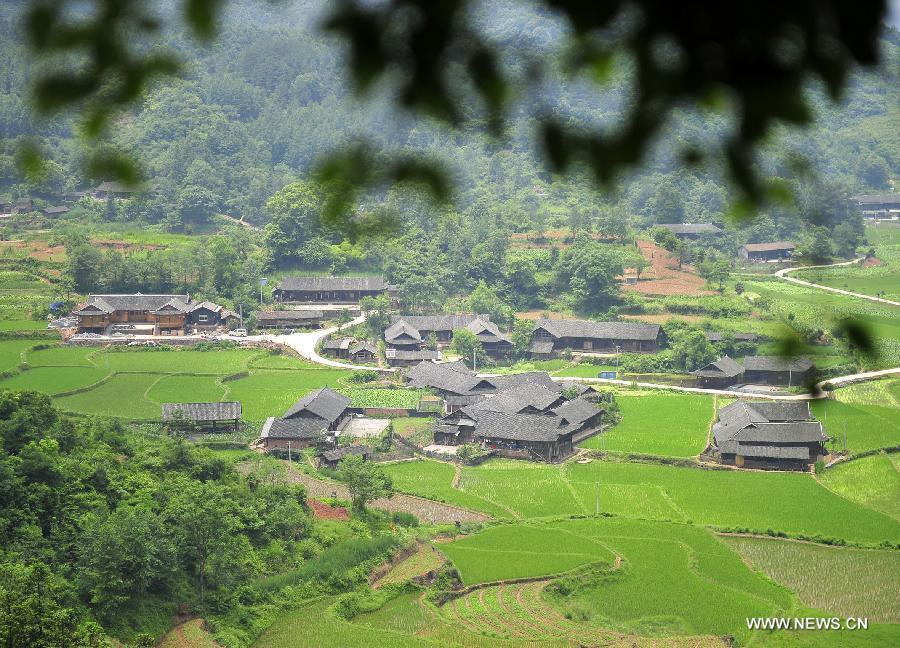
column 295, row 213
column 521, row 336
column 640, row 264
column 378, row 313
column 484, row 300
column 196, row 205
column 691, row 350
column 716, row 272
column 846, row 239
column 818, row 248
column 365, row 480
column 467, row 345
column 589, row 270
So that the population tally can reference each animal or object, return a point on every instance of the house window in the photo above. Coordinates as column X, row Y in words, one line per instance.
column 202, row 318
column 588, row 344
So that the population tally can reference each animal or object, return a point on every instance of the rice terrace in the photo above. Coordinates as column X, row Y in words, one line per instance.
column 403, row 324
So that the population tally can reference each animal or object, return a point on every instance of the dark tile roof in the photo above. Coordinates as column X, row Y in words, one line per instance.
column 340, row 453
column 176, row 305
column 538, row 346
column 363, row 346
column 62, row 209
column 487, row 331
column 691, row 228
column 776, row 363
column 332, row 283
column 759, row 423
column 724, row 367
column 425, row 355
column 576, row 411
column 227, row 411
column 767, row 451
column 518, row 398
column 508, row 381
column 402, row 329
column 438, row 376
column 325, row 403
column 769, row 247
column 599, row 330
column 520, row 427
column 135, row 302
column 439, row 322
column 208, row 305
column 337, row 344
column 296, row 428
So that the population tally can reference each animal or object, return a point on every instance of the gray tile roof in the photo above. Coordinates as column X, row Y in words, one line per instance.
column 691, row 228
column 340, row 453
column 767, row 451
column 289, row 316
column 487, row 331
column 759, row 423
column 176, row 305
column 520, row 427
column 227, row 411
column 439, row 322
column 718, row 336
column 724, row 367
column 333, row 283
column 363, row 346
column 296, row 428
column 518, row 398
column 208, row 305
column 440, row 377
column 599, row 330
column 776, row 363
column 576, row 411
column 133, row 302
column 426, row 355
column 509, row 381
column 401, row 329
column 325, row 403
column 337, row 344
column 769, row 247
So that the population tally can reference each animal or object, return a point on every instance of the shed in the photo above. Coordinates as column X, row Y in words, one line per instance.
column 208, row 417
column 331, row 458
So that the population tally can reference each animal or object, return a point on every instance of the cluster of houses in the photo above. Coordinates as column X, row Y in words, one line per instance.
column 752, row 252
column 103, row 191
column 411, row 339
column 149, row 314
column 882, row 206
column 756, row 370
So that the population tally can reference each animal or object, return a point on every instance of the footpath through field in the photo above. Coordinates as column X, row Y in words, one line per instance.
column 783, row 274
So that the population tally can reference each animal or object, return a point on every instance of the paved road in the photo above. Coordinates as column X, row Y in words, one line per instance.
column 305, row 344
column 783, row 274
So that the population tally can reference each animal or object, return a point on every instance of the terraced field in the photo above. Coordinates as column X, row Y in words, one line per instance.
column 659, row 423
column 872, row 481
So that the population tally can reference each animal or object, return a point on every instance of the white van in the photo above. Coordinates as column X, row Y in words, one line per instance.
column 239, row 333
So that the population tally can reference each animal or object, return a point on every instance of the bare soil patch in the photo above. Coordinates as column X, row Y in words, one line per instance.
column 871, row 262
column 664, row 277
column 323, row 511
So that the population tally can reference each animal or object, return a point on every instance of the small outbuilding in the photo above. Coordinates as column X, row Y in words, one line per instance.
column 721, row 374
column 762, row 252
column 775, row 370
column 307, row 421
column 331, row 458
column 204, row 417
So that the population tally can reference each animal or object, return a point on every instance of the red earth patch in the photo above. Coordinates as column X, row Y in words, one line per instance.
column 323, row 511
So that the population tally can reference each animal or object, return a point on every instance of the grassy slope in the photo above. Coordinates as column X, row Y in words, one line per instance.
column 871, row 481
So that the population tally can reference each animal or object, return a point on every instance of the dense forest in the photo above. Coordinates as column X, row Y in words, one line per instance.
column 243, row 129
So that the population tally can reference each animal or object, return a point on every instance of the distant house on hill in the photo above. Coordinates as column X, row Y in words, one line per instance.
column 761, row 252
column 113, row 189
column 53, row 212
column 776, row 435
column 775, row 370
column 331, row 290
column 207, row 417
column 875, row 206
column 307, row 421
column 721, row 374
column 289, row 319
column 552, row 336
column 412, row 332
column 719, row 336
column 22, row 206
column 158, row 314
column 691, row 231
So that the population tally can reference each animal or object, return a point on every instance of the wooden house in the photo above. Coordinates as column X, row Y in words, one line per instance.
column 719, row 336
column 330, row 290
column 412, row 332
column 308, row 421
column 155, row 314
column 775, row 370
column 289, row 319
column 114, row 189
column 691, row 231
column 331, row 458
column 54, row 212
column 411, row 357
column 209, row 315
column 782, row 435
column 875, row 206
column 363, row 352
column 551, row 336
column 762, row 252
column 203, row 417
column 721, row 374
column 337, row 347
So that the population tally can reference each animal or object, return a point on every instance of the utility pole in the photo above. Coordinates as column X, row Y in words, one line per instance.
column 262, row 282
column 473, row 359
column 597, row 499
column 241, row 313
column 289, row 455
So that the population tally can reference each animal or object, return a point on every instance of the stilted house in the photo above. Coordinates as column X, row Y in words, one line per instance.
column 691, row 231
column 363, row 352
column 411, row 357
column 289, row 319
column 331, row 290
column 551, row 336
column 762, row 252
column 203, row 417
column 412, row 332
column 337, row 347
column 209, row 315
column 775, row 370
column 721, row 374
column 308, row 421
column 782, row 435
column 151, row 314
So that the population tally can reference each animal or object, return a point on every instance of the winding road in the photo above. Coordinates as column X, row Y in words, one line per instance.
column 305, row 344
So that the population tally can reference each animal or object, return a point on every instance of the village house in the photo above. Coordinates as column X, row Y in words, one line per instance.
column 552, row 336
column 331, row 290
column 719, row 336
column 331, row 458
column 203, row 417
column 412, row 332
column 875, row 206
column 411, row 357
column 721, row 374
column 775, row 435
column 363, row 352
column 775, row 370
column 22, row 206
column 53, row 212
column 337, row 347
column 289, row 319
column 526, row 420
column 691, row 231
column 307, row 422
column 114, row 189
column 763, row 252
column 207, row 315
column 146, row 314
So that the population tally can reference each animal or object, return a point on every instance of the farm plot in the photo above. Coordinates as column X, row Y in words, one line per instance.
column 850, row 582
column 270, row 392
column 22, row 325
column 658, row 423
column 867, row 426
column 124, row 395
column 61, row 356
column 871, row 481
column 186, row 389
column 387, row 398
column 434, row 479
column 425, row 559
column 279, row 361
column 520, row 551
column 219, row 361
column 789, row 502
column 11, row 352
column 54, row 380
column 530, row 490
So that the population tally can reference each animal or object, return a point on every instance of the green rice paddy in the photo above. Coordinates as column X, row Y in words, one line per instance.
column 872, row 481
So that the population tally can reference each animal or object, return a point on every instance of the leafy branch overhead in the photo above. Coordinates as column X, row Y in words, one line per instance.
column 757, row 58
